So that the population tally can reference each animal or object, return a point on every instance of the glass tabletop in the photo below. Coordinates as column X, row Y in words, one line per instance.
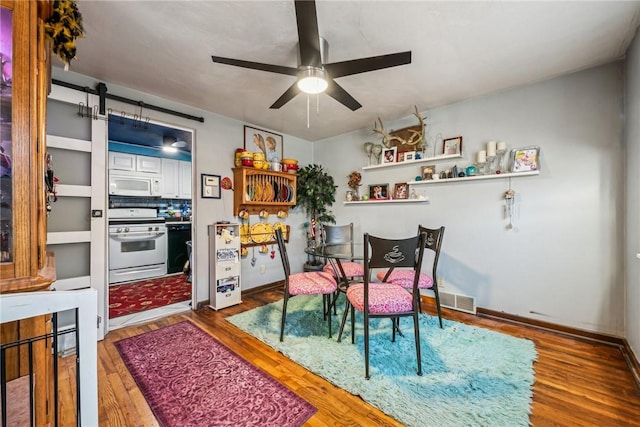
column 339, row 251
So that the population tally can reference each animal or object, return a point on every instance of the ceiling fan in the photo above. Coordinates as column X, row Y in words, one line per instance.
column 313, row 75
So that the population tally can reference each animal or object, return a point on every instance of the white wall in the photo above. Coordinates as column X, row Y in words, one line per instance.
column 563, row 262
column 214, row 147
column 632, row 130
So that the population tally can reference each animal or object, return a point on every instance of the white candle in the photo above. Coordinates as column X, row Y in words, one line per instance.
column 482, row 156
column 502, row 146
column 491, row 148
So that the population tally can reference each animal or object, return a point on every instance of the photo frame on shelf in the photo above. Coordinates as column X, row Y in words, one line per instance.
column 389, row 155
column 379, row 192
column 428, row 171
column 263, row 141
column 401, row 191
column 525, row 159
column 409, row 156
column 452, row 146
column 210, row 186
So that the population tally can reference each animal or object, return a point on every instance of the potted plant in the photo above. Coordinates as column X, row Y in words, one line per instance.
column 316, row 193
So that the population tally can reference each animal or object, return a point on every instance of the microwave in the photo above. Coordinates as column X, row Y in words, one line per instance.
column 139, row 184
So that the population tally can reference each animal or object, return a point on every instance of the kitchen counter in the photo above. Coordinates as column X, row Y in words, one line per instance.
column 173, row 220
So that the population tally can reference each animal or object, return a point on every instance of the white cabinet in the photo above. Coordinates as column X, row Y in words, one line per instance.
column 185, row 180
column 224, row 265
column 135, row 163
column 122, row 161
column 176, row 178
column 148, row 164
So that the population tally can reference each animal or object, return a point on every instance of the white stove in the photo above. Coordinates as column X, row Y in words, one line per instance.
column 137, row 244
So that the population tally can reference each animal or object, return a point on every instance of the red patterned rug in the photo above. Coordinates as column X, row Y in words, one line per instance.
column 191, row 379
column 133, row 297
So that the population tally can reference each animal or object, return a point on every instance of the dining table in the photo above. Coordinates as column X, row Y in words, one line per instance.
column 335, row 254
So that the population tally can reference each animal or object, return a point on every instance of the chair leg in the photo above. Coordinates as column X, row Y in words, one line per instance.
column 347, row 305
column 416, row 328
column 284, row 316
column 326, row 299
column 435, row 290
column 353, row 325
column 366, row 348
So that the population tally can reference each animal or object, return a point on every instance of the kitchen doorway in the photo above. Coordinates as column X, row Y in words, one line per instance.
column 138, row 291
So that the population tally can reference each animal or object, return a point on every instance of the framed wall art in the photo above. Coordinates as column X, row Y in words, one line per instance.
column 389, row 155
column 379, row 191
column 263, row 141
column 401, row 191
column 210, row 186
column 525, row 159
column 428, row 171
column 451, row 146
column 409, row 156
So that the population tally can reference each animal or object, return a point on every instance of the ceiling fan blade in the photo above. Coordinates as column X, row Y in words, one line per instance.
column 287, row 96
column 279, row 69
column 308, row 36
column 363, row 65
column 338, row 93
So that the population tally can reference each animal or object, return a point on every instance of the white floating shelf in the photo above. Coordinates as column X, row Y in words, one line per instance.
column 474, row 178
column 410, row 162
column 375, row 202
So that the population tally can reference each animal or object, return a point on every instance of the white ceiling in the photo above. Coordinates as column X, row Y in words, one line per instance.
column 459, row 50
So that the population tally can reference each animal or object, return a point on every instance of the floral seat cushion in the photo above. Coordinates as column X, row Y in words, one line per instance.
column 312, row 283
column 404, row 278
column 384, row 298
column 351, row 269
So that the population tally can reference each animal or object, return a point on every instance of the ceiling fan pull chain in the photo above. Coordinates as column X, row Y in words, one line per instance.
column 308, row 112
column 318, row 104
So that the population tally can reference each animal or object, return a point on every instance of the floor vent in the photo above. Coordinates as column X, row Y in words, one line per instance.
column 458, row 302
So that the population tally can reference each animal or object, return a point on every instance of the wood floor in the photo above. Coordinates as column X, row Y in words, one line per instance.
column 578, row 382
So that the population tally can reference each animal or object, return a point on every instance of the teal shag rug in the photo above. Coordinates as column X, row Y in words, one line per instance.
column 471, row 376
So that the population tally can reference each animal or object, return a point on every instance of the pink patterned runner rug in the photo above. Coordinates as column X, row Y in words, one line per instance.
column 191, row 379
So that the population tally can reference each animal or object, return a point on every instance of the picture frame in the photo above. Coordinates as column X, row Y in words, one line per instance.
column 210, row 186
column 379, row 192
column 452, row 146
column 389, row 155
column 525, row 159
column 263, row 141
column 409, row 156
column 428, row 171
column 401, row 191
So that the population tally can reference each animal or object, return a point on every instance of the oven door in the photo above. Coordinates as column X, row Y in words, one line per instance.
column 138, row 247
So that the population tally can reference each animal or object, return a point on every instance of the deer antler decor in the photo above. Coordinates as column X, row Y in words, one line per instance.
column 415, row 138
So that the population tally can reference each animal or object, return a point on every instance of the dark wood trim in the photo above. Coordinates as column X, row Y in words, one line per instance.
column 247, row 292
column 621, row 343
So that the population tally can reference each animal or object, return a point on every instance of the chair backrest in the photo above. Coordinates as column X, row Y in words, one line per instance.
column 338, row 237
column 433, row 241
column 282, row 248
column 390, row 254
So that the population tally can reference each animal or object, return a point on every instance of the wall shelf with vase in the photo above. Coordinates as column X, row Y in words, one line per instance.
column 474, row 178
column 376, row 202
column 413, row 162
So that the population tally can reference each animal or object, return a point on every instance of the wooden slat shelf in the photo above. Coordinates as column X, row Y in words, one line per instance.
column 245, row 176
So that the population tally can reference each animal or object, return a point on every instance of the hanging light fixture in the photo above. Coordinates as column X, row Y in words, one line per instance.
column 312, row 80
column 168, row 144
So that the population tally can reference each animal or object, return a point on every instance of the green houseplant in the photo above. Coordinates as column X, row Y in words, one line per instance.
column 316, row 193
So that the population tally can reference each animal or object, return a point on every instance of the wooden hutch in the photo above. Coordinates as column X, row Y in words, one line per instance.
column 24, row 264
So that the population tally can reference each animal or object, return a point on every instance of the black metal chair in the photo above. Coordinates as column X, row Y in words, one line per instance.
column 404, row 278
column 376, row 300
column 307, row 283
column 337, row 235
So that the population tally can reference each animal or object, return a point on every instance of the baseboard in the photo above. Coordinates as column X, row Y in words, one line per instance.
column 266, row 287
column 621, row 343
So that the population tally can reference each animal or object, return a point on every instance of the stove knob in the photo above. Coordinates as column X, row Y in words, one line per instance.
column 119, row 230
column 157, row 228
column 150, row 228
column 126, row 230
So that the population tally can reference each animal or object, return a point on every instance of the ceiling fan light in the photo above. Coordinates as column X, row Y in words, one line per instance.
column 312, row 80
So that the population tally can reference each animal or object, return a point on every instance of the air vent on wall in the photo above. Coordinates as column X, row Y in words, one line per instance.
column 458, row 302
